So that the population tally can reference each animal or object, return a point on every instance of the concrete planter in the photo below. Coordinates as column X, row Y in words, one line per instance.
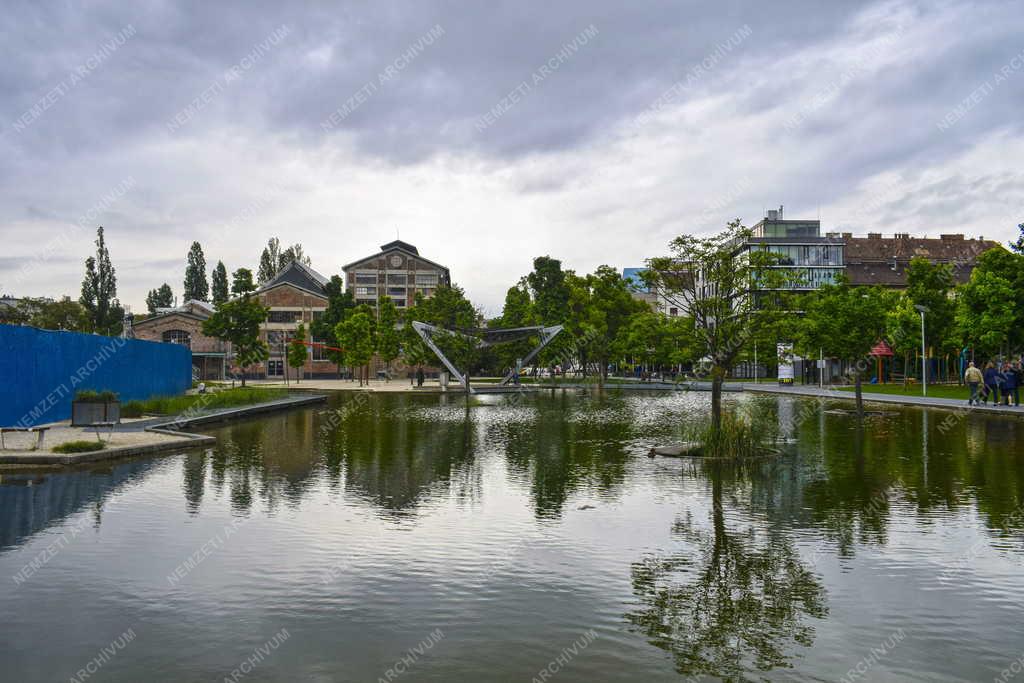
column 91, row 412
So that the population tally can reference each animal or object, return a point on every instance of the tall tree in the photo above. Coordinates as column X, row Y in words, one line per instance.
column 846, row 322
column 162, row 297
column 610, row 309
column 931, row 285
column 241, row 282
column 63, row 314
column 238, row 322
column 388, row 333
column 356, row 336
column 340, row 304
column 449, row 308
column 986, row 313
column 99, row 291
column 292, row 253
column 1018, row 246
column 270, row 261
column 720, row 290
column 297, row 353
column 197, row 287
column 220, row 284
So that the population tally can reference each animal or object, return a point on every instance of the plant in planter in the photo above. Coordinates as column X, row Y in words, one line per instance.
column 90, row 407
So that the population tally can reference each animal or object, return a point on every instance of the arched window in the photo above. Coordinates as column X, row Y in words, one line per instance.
column 178, row 337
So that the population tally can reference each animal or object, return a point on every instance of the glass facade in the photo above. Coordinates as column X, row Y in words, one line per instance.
column 805, row 254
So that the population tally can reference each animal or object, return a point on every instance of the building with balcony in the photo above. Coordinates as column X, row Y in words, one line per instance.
column 184, row 325
column 397, row 271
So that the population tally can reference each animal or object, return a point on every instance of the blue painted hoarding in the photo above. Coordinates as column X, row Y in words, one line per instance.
column 40, row 371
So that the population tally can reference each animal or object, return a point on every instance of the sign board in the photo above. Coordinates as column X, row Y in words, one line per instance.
column 821, row 364
column 785, row 363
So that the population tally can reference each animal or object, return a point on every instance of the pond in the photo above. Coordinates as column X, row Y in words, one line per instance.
column 431, row 538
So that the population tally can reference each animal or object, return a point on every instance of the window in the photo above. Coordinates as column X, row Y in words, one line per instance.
column 317, row 315
column 399, row 303
column 426, row 279
column 366, row 291
column 318, row 352
column 396, row 291
column 178, row 337
column 673, row 311
column 397, row 278
column 366, row 278
column 369, row 302
column 284, row 316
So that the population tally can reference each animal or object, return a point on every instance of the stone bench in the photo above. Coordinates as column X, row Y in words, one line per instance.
column 40, row 432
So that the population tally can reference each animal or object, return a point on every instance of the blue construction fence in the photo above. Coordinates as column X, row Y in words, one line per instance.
column 40, row 371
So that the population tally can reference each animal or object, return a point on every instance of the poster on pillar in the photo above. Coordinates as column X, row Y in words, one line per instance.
column 785, row 363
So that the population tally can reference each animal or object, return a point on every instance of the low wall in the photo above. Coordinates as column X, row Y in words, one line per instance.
column 40, row 371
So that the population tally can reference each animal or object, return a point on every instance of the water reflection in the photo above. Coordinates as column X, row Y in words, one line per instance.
column 733, row 597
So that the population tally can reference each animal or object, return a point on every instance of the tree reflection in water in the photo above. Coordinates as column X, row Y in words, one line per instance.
column 732, row 600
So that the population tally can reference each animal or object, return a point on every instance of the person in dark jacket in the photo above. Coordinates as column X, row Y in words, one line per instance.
column 1010, row 385
column 991, row 383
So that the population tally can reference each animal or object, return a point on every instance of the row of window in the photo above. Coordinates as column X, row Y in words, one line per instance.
column 806, row 254
column 420, row 280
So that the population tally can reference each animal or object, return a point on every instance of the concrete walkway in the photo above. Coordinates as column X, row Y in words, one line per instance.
column 921, row 401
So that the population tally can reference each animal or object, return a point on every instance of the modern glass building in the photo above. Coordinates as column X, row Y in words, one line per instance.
column 815, row 260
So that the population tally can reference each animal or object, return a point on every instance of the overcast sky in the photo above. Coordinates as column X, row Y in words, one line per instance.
column 487, row 133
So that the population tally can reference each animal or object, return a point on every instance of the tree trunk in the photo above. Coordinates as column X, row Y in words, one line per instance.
column 716, row 399
column 860, row 398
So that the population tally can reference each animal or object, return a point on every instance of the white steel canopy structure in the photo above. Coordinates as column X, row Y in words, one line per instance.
column 483, row 338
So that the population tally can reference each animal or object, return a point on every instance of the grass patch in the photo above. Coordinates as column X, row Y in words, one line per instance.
column 176, row 405
column 934, row 390
column 79, row 447
column 737, row 438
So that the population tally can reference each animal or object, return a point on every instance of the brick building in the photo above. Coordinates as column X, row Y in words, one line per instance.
column 295, row 295
column 397, row 271
column 877, row 260
column 183, row 325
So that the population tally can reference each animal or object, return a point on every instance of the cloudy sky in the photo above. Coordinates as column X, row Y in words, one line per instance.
column 489, row 133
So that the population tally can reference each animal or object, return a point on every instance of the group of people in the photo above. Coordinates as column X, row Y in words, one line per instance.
column 998, row 380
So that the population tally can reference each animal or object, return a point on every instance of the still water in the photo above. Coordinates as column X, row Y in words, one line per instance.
column 427, row 538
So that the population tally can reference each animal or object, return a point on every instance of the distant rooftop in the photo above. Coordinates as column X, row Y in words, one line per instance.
column 399, row 244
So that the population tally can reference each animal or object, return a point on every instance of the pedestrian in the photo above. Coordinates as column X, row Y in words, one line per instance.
column 1010, row 385
column 419, row 377
column 973, row 378
column 991, row 383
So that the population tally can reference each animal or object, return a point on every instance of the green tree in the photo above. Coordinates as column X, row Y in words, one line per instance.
column 517, row 312
column 720, row 290
column 356, row 336
column 161, row 297
column 219, row 285
column 931, row 285
column 297, row 353
column 903, row 328
column 611, row 307
column 99, row 291
column 238, row 323
column 1007, row 268
column 241, row 282
column 389, row 336
column 986, row 311
column 63, row 314
column 1018, row 246
column 340, row 304
column 270, row 261
column 292, row 253
column 449, row 309
column 846, row 322
column 196, row 285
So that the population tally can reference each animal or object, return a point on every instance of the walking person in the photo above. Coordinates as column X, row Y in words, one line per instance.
column 973, row 378
column 1010, row 385
column 991, row 383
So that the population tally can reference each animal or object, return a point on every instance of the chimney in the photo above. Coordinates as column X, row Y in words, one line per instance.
column 952, row 238
column 847, row 235
column 874, row 235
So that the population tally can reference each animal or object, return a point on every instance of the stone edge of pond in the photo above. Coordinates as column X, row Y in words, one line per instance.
column 170, row 427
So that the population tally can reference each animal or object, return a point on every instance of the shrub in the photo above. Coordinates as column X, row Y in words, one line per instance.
column 93, row 396
column 79, row 447
column 736, row 438
column 133, row 409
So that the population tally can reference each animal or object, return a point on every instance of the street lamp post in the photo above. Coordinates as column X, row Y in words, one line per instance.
column 924, row 361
